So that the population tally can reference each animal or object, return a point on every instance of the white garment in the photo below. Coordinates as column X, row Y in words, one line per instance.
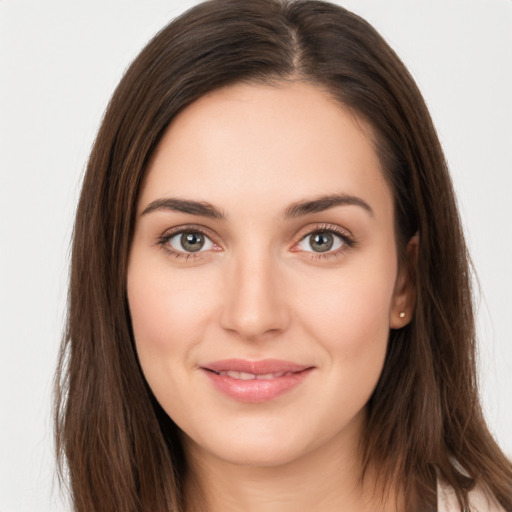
column 478, row 501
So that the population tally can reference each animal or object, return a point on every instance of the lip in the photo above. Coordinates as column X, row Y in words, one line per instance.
column 264, row 386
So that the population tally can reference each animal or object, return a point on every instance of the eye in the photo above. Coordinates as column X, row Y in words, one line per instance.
column 189, row 242
column 322, row 242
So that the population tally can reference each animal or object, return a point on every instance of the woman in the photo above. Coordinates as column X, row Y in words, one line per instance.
column 270, row 305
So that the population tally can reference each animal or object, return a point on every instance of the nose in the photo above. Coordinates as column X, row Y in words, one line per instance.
column 255, row 302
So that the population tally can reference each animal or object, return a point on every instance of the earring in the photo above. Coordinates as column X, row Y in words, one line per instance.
column 402, row 314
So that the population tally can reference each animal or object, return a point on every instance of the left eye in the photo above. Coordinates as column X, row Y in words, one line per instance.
column 190, row 241
column 321, row 241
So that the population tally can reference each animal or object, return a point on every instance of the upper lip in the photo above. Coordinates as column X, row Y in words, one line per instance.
column 261, row 367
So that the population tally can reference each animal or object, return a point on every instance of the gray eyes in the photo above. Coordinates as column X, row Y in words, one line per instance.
column 190, row 241
column 195, row 241
column 321, row 241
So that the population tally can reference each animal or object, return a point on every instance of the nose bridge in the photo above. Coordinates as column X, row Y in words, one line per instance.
column 254, row 304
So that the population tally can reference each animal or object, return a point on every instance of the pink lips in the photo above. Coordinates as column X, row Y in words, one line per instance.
column 255, row 381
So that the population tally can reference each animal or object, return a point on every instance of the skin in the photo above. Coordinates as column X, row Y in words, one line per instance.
column 260, row 289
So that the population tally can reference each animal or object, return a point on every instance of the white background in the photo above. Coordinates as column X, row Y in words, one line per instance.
column 59, row 63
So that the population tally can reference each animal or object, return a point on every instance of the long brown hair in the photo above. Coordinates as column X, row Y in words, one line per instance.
column 122, row 452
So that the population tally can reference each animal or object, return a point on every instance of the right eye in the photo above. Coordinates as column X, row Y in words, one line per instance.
column 188, row 242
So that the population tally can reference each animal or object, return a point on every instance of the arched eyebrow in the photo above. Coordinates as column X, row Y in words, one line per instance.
column 202, row 208
column 297, row 209
column 323, row 203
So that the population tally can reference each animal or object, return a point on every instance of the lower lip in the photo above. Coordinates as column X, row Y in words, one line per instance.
column 255, row 390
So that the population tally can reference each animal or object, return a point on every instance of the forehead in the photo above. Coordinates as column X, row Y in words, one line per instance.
column 267, row 143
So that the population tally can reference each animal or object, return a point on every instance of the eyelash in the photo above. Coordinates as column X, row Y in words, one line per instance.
column 163, row 241
column 348, row 242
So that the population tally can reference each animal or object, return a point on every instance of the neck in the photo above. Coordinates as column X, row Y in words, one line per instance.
column 326, row 479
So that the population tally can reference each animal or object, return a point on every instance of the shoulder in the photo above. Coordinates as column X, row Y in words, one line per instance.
column 479, row 500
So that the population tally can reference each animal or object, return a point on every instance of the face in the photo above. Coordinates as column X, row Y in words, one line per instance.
column 263, row 277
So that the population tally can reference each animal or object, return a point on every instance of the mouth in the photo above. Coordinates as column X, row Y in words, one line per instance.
column 251, row 376
column 255, row 381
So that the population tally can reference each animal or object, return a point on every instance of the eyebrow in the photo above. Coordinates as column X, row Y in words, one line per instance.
column 323, row 203
column 298, row 209
column 202, row 208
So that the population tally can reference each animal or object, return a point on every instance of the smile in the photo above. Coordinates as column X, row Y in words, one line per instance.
column 255, row 381
column 250, row 376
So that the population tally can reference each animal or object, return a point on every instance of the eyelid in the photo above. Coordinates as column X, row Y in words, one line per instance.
column 346, row 236
column 186, row 228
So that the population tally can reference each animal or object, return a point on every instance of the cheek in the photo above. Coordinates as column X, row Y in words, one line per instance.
column 169, row 310
column 348, row 313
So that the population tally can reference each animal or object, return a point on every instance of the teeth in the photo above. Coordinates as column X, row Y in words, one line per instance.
column 233, row 375
column 268, row 376
column 252, row 376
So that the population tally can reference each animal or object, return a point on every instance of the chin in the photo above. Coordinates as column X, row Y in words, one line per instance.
column 257, row 454
column 266, row 446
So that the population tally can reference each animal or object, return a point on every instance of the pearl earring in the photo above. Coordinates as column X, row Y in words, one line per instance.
column 402, row 314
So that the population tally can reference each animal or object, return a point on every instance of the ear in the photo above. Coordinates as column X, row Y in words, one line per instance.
column 404, row 295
